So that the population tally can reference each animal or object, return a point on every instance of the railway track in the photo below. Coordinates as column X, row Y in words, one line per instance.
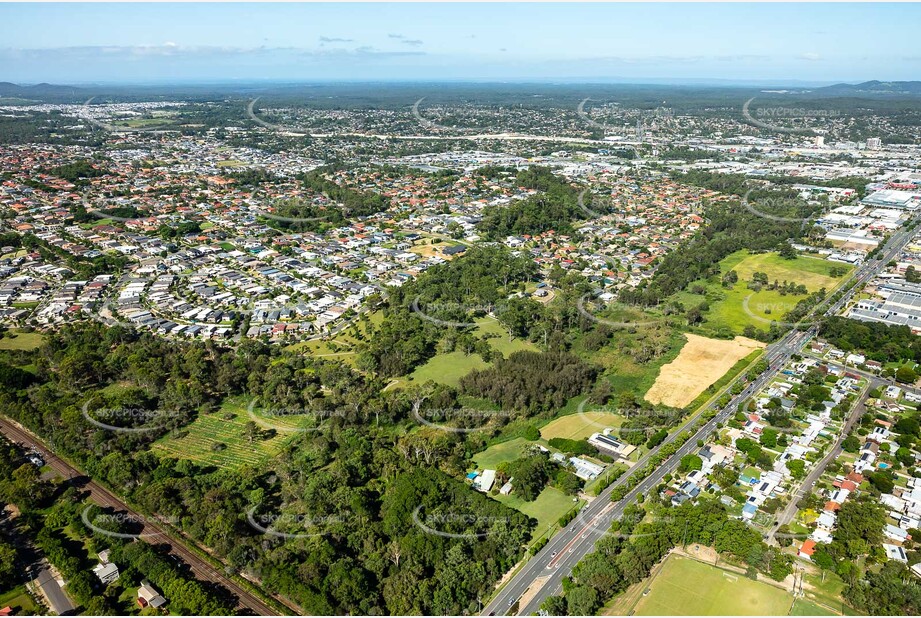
column 150, row 531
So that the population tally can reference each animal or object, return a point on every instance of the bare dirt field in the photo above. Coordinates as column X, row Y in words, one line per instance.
column 701, row 362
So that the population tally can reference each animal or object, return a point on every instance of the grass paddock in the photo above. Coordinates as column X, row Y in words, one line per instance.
column 686, row 587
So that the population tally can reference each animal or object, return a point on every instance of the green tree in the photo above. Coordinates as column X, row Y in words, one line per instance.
column 797, row 468
column 690, row 462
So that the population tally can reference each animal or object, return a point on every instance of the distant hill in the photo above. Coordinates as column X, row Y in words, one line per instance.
column 46, row 91
column 874, row 88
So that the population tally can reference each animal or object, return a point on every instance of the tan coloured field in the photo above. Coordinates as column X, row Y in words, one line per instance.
column 700, row 363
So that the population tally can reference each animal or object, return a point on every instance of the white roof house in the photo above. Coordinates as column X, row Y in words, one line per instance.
column 895, row 552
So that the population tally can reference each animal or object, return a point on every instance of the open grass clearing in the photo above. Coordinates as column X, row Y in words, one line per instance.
column 686, row 587
column 502, row 342
column 18, row 340
column 19, row 600
column 502, row 452
column 579, row 426
column 547, row 508
column 737, row 307
column 448, row 368
column 226, row 427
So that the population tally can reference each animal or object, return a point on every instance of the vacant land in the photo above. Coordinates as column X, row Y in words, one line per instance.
column 578, row 426
column 502, row 342
column 700, row 363
column 448, row 368
column 685, row 587
column 736, row 307
column 547, row 509
column 633, row 356
column 16, row 340
column 504, row 451
column 220, row 439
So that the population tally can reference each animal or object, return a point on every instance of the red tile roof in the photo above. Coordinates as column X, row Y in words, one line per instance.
column 808, row 547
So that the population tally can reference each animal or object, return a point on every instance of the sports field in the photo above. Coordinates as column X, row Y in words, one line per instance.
column 686, row 587
column 804, row 607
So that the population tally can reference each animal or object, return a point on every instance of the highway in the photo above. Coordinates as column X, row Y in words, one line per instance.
column 543, row 573
column 149, row 531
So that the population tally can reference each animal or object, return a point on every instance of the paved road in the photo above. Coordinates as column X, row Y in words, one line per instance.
column 59, row 602
column 806, row 486
column 150, row 531
column 547, row 568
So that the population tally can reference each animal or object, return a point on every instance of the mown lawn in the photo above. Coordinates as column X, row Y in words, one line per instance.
column 502, row 343
column 578, row 426
column 20, row 601
column 502, row 452
column 685, row 587
column 18, row 340
column 804, row 607
column 448, row 368
column 547, row 508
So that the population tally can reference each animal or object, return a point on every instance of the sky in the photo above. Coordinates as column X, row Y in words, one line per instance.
column 76, row 43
